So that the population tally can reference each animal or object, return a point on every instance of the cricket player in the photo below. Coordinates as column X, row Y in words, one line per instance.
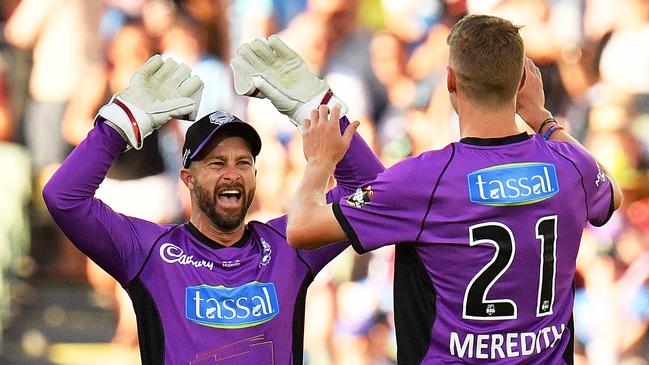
column 213, row 290
column 486, row 229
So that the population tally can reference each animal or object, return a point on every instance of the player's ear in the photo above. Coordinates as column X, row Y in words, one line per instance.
column 450, row 80
column 522, row 79
column 186, row 177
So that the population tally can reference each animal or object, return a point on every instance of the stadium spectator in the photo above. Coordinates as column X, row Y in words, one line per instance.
column 58, row 66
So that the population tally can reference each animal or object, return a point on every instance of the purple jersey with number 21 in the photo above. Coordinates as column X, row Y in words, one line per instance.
column 487, row 233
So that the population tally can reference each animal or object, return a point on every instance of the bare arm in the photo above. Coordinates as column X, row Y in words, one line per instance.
column 311, row 221
column 530, row 105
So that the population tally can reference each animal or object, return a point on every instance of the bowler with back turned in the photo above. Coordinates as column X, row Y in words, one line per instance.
column 486, row 229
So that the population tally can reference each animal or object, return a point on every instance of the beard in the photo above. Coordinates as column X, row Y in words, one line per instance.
column 223, row 220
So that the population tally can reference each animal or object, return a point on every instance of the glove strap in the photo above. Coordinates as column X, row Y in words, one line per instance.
column 327, row 97
column 131, row 122
column 131, row 118
column 304, row 111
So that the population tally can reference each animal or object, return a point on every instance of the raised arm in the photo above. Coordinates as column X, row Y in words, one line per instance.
column 358, row 166
column 311, row 221
column 530, row 105
column 108, row 238
column 271, row 70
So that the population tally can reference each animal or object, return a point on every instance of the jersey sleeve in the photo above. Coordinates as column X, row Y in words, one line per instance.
column 391, row 209
column 117, row 243
column 596, row 184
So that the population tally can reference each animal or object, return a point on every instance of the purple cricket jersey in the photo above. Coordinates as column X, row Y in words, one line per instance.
column 196, row 301
column 487, row 233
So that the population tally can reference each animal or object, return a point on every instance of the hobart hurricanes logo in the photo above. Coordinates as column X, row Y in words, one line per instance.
column 361, row 197
column 513, row 184
column 243, row 306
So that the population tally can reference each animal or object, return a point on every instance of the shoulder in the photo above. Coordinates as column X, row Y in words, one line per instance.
column 151, row 233
column 272, row 235
column 423, row 164
column 573, row 152
column 441, row 156
column 168, row 229
column 274, row 229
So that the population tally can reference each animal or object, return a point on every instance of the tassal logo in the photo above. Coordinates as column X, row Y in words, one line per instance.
column 513, row 184
column 243, row 306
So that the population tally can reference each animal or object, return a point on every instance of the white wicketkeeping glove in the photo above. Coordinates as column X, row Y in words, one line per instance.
column 274, row 71
column 159, row 91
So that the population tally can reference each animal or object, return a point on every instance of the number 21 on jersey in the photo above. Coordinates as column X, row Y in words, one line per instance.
column 476, row 305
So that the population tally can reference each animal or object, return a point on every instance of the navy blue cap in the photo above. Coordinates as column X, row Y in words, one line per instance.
column 202, row 131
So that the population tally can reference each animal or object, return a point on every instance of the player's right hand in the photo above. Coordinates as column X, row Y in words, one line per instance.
column 270, row 69
column 159, row 90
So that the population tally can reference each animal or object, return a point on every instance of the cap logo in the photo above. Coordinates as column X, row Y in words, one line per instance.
column 220, row 118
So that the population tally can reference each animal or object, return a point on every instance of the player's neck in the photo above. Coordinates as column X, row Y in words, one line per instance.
column 206, row 227
column 481, row 122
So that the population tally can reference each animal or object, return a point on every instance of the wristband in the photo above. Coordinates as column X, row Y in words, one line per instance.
column 551, row 130
column 131, row 118
column 546, row 121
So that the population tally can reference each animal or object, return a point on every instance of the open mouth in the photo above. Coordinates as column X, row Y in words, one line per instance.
column 229, row 197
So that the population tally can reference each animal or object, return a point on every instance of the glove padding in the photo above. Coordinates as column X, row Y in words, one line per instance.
column 158, row 91
column 274, row 71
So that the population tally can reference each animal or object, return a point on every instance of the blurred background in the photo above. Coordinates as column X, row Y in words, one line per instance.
column 60, row 60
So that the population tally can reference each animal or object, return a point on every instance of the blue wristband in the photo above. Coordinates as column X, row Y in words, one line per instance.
column 551, row 130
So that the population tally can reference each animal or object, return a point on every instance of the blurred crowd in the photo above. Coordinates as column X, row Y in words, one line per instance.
column 60, row 60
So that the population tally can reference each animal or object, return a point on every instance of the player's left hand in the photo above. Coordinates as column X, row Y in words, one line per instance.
column 321, row 136
column 270, row 69
column 159, row 90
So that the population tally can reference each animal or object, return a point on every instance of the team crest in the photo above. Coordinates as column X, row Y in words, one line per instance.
column 220, row 117
column 266, row 252
column 361, row 197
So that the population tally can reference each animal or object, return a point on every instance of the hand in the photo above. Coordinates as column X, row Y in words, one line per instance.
column 273, row 70
column 530, row 102
column 321, row 138
column 159, row 91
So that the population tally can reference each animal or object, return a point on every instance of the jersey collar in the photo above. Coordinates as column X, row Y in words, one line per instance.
column 496, row 141
column 213, row 244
